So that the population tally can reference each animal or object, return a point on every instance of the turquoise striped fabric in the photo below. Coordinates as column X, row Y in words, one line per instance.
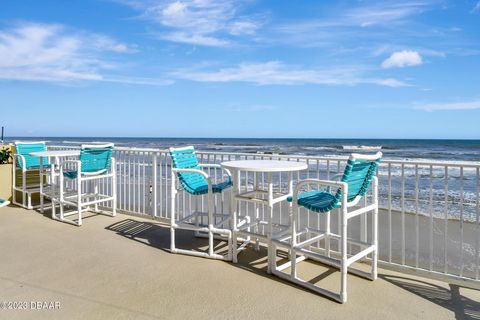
column 30, row 162
column 358, row 174
column 191, row 182
column 96, row 159
column 93, row 160
column 317, row 201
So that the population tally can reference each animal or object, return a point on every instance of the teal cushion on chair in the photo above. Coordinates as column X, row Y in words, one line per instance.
column 317, row 201
column 216, row 188
column 74, row 173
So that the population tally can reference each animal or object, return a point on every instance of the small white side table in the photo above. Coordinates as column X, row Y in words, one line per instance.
column 55, row 154
column 259, row 166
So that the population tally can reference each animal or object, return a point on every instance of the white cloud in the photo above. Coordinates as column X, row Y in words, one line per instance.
column 463, row 105
column 277, row 73
column 41, row 52
column 197, row 22
column 104, row 43
column 138, row 80
column 404, row 58
column 195, row 39
column 46, row 52
column 384, row 12
column 477, row 7
column 422, row 51
column 350, row 27
column 243, row 27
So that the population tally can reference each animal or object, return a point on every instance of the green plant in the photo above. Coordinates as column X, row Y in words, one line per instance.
column 5, row 156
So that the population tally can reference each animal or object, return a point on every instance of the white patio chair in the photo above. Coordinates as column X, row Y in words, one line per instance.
column 188, row 172
column 358, row 175
column 96, row 163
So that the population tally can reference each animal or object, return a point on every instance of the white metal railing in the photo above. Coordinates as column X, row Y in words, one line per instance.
column 429, row 218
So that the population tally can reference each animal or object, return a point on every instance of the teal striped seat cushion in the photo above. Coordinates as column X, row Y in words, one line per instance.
column 216, row 188
column 74, row 173
column 317, row 201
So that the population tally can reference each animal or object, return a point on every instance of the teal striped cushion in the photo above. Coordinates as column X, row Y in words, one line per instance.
column 194, row 183
column 317, row 201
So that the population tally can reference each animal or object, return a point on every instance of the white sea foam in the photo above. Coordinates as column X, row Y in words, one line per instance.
column 86, row 142
column 319, row 148
column 361, row 147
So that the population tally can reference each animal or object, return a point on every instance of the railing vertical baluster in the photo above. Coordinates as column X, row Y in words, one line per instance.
column 143, row 187
column 431, row 219
column 417, row 219
column 461, row 222
column 318, row 216
column 134, row 184
column 138, row 182
column 124, row 182
column 168, row 177
column 403, row 213
column 477, row 233
column 309, row 187
column 445, row 243
column 154, row 184
column 129, row 184
column 161, row 178
column 121, row 181
column 328, row 169
column 125, row 177
column 390, row 212
column 143, row 183
column 223, row 194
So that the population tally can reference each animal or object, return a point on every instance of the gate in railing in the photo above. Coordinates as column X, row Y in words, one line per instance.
column 429, row 219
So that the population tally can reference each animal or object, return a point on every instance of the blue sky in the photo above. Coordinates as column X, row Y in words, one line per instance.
column 241, row 68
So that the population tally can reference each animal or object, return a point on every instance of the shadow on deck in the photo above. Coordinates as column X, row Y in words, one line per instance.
column 158, row 236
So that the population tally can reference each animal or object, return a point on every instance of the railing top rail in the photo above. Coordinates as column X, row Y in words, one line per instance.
column 465, row 164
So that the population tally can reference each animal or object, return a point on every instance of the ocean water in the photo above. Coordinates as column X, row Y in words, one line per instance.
column 451, row 150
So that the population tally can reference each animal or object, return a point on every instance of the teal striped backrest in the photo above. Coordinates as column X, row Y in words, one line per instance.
column 359, row 173
column 96, row 158
column 186, row 158
column 24, row 149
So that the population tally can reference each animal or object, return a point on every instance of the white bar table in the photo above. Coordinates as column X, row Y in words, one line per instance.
column 49, row 154
column 259, row 166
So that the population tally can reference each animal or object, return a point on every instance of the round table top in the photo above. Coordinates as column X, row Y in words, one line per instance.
column 265, row 165
column 55, row 153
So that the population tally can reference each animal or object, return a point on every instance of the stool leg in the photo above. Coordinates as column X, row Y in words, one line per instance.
column 343, row 251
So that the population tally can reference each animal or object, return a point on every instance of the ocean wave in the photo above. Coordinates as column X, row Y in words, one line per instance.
column 87, row 142
column 239, row 147
column 319, row 148
column 361, row 147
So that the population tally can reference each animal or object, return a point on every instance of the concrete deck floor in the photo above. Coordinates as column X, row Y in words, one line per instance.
column 119, row 268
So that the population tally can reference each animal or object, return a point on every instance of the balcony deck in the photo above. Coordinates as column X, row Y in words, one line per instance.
column 120, row 268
